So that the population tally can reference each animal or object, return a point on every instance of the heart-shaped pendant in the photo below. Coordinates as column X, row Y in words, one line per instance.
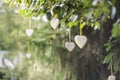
column 54, row 23
column 29, row 32
column 111, row 77
column 80, row 40
column 28, row 55
column 70, row 46
column 35, row 66
column 1, row 63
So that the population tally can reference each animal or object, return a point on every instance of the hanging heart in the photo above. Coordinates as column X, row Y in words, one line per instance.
column 54, row 23
column 29, row 32
column 1, row 63
column 111, row 77
column 35, row 66
column 80, row 40
column 28, row 55
column 70, row 46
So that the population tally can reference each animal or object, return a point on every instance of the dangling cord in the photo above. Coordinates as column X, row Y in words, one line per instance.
column 29, row 48
column 30, row 23
column 81, row 28
column 30, row 26
column 111, row 68
column 56, row 16
column 69, row 34
column 82, row 24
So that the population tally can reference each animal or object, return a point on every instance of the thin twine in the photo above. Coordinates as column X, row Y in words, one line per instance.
column 111, row 68
column 56, row 16
column 30, row 23
column 69, row 34
column 28, row 48
column 30, row 26
column 80, row 29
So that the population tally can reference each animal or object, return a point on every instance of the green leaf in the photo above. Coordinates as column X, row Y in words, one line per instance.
column 11, row 3
column 82, row 25
column 97, row 26
column 71, row 24
column 22, row 12
column 108, row 58
column 7, row 1
column 116, row 30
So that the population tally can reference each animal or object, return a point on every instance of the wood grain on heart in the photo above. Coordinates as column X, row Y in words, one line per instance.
column 29, row 32
column 80, row 40
column 70, row 46
column 54, row 23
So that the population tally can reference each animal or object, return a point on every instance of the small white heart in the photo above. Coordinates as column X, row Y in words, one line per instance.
column 29, row 32
column 28, row 55
column 35, row 66
column 70, row 46
column 54, row 23
column 1, row 63
column 111, row 77
column 80, row 40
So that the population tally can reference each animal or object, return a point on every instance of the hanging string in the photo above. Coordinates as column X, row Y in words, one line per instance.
column 80, row 28
column 30, row 23
column 69, row 34
column 111, row 68
column 81, row 31
column 56, row 16
column 36, row 51
column 30, row 26
column 82, row 24
column 28, row 48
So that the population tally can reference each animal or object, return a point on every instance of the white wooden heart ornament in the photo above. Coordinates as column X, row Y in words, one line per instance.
column 70, row 46
column 111, row 77
column 1, row 63
column 80, row 40
column 35, row 66
column 54, row 23
column 29, row 32
column 28, row 55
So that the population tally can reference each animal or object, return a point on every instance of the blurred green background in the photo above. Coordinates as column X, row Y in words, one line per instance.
column 43, row 56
